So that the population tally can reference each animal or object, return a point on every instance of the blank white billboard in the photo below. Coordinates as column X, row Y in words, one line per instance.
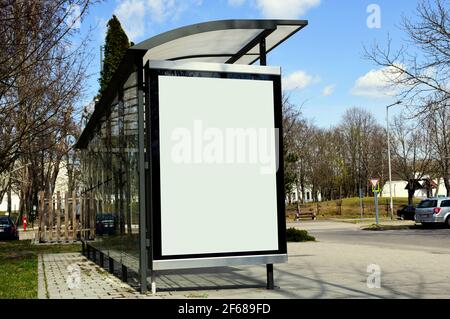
column 217, row 165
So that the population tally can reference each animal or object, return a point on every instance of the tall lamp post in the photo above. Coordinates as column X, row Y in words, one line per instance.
column 391, row 205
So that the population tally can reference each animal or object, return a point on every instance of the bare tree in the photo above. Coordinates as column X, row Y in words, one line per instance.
column 304, row 134
column 37, row 60
column 411, row 149
column 438, row 125
column 420, row 71
column 363, row 146
column 42, row 72
column 291, row 119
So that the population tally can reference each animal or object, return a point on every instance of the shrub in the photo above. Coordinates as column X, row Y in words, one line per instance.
column 297, row 235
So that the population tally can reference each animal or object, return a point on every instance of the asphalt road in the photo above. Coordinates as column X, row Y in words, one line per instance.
column 411, row 263
column 434, row 240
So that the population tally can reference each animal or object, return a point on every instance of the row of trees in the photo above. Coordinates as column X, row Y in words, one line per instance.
column 42, row 70
column 337, row 162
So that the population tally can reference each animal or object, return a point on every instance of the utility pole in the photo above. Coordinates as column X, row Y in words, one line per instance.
column 391, row 204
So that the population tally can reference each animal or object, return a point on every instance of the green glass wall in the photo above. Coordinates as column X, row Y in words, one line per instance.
column 111, row 178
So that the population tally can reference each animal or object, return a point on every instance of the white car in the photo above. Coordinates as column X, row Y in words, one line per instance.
column 433, row 210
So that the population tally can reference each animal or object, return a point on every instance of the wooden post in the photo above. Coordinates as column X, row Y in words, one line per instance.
column 82, row 212
column 41, row 235
column 46, row 216
column 74, row 216
column 58, row 216
column 50, row 217
column 66, row 216
column 85, row 214
column 92, row 219
column 86, row 217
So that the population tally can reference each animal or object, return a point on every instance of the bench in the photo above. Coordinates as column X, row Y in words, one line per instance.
column 306, row 215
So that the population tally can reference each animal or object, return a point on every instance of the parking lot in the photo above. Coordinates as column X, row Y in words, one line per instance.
column 433, row 238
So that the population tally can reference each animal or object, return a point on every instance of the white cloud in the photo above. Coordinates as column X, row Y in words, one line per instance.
column 164, row 10
column 236, row 3
column 298, row 80
column 286, row 8
column 161, row 10
column 328, row 90
column 131, row 14
column 102, row 27
column 136, row 15
column 375, row 83
column 280, row 8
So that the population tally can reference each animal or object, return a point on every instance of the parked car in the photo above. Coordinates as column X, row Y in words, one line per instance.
column 105, row 224
column 8, row 229
column 406, row 212
column 433, row 210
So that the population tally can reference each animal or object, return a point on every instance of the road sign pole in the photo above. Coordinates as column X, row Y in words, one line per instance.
column 376, row 205
column 360, row 203
column 375, row 189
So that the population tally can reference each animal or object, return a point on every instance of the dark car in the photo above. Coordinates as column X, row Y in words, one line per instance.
column 406, row 212
column 8, row 229
column 105, row 224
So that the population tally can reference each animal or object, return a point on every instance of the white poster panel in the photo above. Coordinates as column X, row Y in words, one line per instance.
column 217, row 165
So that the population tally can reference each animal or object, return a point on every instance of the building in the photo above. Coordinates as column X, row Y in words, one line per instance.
column 399, row 189
column 15, row 202
column 61, row 185
column 296, row 195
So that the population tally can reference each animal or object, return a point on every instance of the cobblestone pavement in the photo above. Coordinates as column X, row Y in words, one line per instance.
column 69, row 276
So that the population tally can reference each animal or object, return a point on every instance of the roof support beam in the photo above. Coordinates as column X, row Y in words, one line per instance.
column 254, row 42
column 262, row 52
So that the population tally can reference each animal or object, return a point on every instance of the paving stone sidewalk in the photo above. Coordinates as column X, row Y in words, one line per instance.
column 72, row 276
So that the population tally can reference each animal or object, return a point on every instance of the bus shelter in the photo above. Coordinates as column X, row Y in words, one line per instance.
column 167, row 188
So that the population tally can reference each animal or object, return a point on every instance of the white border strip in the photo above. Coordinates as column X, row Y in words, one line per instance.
column 214, row 67
column 218, row 261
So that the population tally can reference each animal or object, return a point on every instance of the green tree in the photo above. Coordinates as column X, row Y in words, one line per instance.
column 116, row 44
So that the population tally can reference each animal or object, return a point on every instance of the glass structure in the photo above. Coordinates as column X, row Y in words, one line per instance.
column 114, row 158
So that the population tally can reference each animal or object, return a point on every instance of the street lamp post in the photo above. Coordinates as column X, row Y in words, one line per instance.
column 389, row 158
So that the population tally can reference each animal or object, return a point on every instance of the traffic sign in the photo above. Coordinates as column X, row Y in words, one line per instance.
column 374, row 182
column 376, row 190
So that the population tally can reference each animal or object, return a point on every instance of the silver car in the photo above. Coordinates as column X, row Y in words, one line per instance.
column 433, row 210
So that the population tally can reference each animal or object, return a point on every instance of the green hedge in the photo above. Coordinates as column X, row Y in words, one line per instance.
column 297, row 235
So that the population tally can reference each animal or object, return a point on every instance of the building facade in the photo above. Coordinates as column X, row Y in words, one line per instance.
column 399, row 189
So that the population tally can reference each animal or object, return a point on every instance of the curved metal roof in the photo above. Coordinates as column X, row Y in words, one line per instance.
column 223, row 41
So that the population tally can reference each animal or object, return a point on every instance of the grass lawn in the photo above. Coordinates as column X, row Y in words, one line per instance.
column 18, row 267
column 350, row 207
column 382, row 227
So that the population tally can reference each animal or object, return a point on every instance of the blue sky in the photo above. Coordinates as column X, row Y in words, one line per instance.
column 322, row 65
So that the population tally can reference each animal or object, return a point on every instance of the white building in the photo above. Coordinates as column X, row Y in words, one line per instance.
column 61, row 185
column 398, row 189
column 15, row 202
column 296, row 195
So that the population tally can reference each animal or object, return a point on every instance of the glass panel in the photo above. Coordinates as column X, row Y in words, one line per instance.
column 130, row 164
column 214, row 42
column 110, row 177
